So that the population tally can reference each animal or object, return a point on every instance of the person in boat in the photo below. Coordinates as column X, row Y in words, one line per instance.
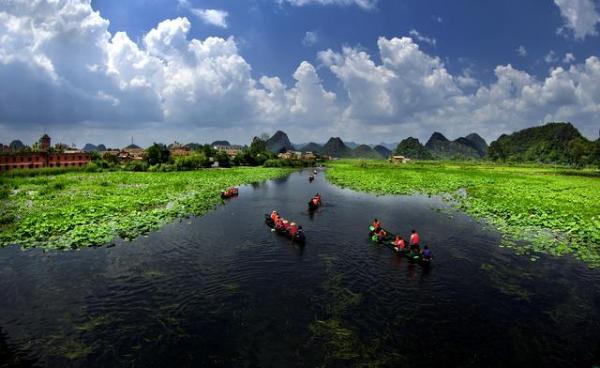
column 427, row 253
column 274, row 215
column 318, row 198
column 286, row 225
column 381, row 234
column 376, row 225
column 279, row 223
column 293, row 229
column 315, row 202
column 399, row 243
column 414, row 240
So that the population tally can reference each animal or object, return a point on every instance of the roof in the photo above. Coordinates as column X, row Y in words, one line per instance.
column 45, row 136
column 132, row 146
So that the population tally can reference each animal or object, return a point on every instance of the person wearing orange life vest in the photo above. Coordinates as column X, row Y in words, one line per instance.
column 399, row 243
column 274, row 215
column 414, row 240
column 278, row 223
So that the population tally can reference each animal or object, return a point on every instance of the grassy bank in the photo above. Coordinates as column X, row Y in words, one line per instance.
column 78, row 209
column 556, row 210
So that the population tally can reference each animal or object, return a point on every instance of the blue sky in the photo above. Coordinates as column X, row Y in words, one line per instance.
column 365, row 70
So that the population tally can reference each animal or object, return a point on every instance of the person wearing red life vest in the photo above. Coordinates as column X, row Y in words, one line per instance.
column 293, row 229
column 399, row 243
column 414, row 240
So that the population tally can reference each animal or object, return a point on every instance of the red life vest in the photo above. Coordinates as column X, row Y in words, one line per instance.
column 414, row 238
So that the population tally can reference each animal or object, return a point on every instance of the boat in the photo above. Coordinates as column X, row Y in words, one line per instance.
column 229, row 192
column 411, row 255
column 299, row 238
column 311, row 178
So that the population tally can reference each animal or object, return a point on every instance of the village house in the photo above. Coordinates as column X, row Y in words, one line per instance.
column 231, row 151
column 132, row 152
column 43, row 158
column 399, row 159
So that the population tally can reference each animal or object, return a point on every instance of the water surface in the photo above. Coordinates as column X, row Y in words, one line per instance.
column 221, row 290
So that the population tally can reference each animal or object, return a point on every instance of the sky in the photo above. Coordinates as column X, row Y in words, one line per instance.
column 370, row 71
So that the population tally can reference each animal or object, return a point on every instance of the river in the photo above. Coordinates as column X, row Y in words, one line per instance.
column 222, row 290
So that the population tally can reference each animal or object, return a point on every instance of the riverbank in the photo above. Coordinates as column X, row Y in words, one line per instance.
column 538, row 208
column 80, row 209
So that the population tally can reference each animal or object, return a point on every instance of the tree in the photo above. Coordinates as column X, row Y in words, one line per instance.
column 258, row 145
column 156, row 154
column 223, row 158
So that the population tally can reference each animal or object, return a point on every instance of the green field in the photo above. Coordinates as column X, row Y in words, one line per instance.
column 79, row 209
column 555, row 210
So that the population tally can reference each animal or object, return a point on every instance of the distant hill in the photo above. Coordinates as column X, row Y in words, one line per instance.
column 550, row 143
column 478, row 143
column 335, row 147
column 93, row 148
column 312, row 147
column 365, row 151
column 279, row 142
column 441, row 147
column 412, row 148
column 220, row 143
column 383, row 151
column 351, row 144
column 389, row 146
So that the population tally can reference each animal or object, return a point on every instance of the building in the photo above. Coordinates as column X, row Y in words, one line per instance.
column 309, row 156
column 134, row 152
column 231, row 151
column 45, row 142
column 43, row 158
column 399, row 159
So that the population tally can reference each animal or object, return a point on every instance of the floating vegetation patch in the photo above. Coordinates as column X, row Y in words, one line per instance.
column 537, row 208
column 334, row 335
column 74, row 210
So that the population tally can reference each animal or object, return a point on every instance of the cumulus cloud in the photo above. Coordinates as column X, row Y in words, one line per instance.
column 64, row 68
column 365, row 4
column 580, row 16
column 412, row 92
column 522, row 51
column 60, row 66
column 310, row 38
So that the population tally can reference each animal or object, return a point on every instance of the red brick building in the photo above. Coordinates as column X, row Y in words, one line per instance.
column 35, row 160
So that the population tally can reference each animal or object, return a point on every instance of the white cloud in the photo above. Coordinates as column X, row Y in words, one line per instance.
column 581, row 17
column 569, row 58
column 212, row 16
column 437, row 18
column 61, row 67
column 551, row 57
column 419, row 37
column 522, row 51
column 412, row 93
column 365, row 4
column 310, row 38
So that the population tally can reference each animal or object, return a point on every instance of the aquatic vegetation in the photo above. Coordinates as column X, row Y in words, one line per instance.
column 537, row 208
column 79, row 209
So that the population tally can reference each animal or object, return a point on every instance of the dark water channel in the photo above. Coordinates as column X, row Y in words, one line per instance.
column 222, row 290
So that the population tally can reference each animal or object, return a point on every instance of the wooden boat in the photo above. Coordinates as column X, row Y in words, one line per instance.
column 299, row 238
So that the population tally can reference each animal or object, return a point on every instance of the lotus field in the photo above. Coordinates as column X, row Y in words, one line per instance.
column 537, row 208
column 80, row 209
